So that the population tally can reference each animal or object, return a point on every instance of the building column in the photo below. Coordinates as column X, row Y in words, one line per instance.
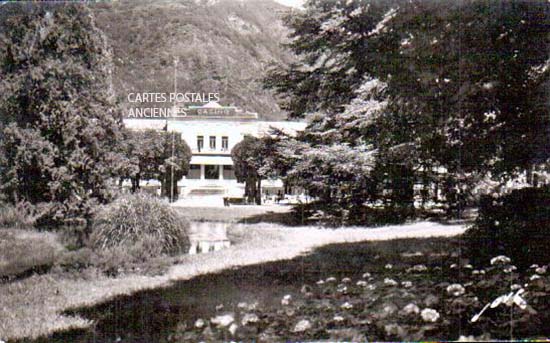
column 202, row 171
column 221, row 172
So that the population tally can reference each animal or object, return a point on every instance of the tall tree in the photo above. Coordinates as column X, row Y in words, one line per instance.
column 466, row 81
column 62, row 123
column 249, row 157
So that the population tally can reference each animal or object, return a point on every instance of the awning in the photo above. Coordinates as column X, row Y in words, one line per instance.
column 212, row 160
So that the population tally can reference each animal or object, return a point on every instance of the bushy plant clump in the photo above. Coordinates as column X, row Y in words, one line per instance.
column 139, row 220
column 516, row 225
column 334, row 215
column 22, row 215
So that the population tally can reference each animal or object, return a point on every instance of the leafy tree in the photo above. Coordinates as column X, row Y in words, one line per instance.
column 62, row 123
column 148, row 155
column 464, row 84
column 249, row 158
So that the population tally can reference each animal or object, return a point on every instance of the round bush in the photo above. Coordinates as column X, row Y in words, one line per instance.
column 140, row 220
column 516, row 225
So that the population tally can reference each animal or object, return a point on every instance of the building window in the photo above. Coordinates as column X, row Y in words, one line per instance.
column 194, row 172
column 212, row 142
column 200, row 143
column 225, row 143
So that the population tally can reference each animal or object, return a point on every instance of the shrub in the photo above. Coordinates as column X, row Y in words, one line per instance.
column 515, row 225
column 20, row 216
column 23, row 252
column 334, row 215
column 142, row 222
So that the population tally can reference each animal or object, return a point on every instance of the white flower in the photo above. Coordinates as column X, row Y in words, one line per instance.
column 541, row 270
column 249, row 318
column 515, row 287
column 468, row 266
column 361, row 283
column 501, row 259
column 412, row 254
column 411, row 309
column 331, row 279
column 321, row 282
column 366, row 275
column 418, row 268
column 286, row 300
column 454, row 266
column 223, row 320
column 371, row 287
column 302, row 325
column 507, row 299
column 233, row 328
column 509, row 269
column 346, row 280
column 534, row 266
column 455, row 289
column 406, row 284
column 242, row 305
column 199, row 323
column 346, row 306
column 429, row 315
column 534, row 277
column 390, row 282
column 338, row 318
column 388, row 266
column 342, row 288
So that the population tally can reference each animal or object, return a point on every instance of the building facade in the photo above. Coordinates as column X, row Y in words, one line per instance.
column 211, row 131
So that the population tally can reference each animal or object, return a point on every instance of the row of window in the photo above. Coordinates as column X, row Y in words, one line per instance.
column 212, row 141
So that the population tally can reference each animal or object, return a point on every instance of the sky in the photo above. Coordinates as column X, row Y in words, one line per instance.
column 293, row 3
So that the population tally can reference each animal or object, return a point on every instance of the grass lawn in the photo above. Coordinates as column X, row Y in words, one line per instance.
column 24, row 251
column 35, row 306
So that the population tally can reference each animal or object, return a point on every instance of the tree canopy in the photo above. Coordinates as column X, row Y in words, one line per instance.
column 467, row 79
column 148, row 155
column 426, row 86
column 61, row 122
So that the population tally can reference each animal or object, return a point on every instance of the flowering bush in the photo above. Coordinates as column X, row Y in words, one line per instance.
column 450, row 301
column 516, row 225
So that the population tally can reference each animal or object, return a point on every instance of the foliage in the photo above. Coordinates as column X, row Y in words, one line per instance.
column 139, row 220
column 415, row 82
column 416, row 298
column 56, row 96
column 19, row 216
column 516, row 225
column 25, row 252
column 249, row 156
column 156, row 161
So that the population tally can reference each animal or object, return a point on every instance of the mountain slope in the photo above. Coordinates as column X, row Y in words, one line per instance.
column 222, row 46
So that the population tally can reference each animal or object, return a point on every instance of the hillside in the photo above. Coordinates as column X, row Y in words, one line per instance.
column 223, row 47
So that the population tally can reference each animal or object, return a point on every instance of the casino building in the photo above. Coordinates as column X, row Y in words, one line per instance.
column 211, row 131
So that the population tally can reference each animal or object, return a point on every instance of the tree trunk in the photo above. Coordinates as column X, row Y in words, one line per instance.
column 135, row 183
column 259, row 192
